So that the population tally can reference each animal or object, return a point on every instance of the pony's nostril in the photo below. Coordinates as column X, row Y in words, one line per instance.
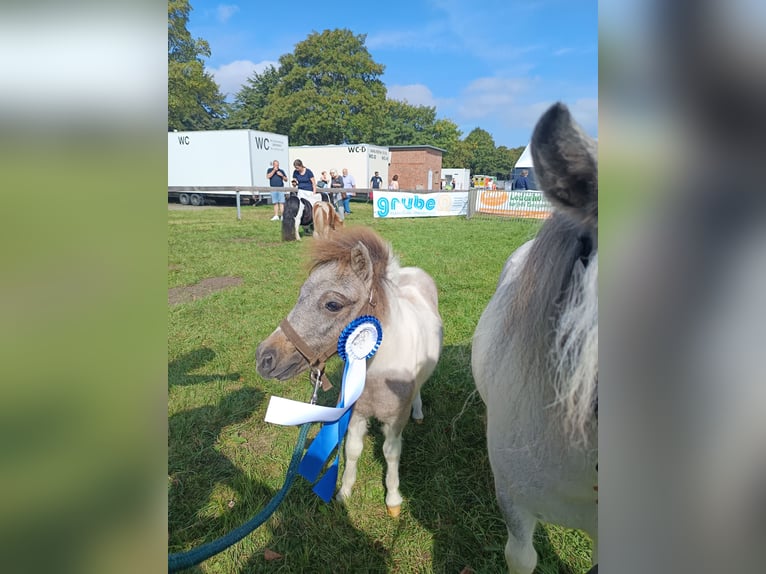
column 264, row 360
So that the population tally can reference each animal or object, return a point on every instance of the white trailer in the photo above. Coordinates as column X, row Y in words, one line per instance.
column 361, row 160
column 203, row 161
column 457, row 177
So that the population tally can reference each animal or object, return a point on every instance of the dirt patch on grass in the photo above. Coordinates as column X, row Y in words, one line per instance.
column 178, row 295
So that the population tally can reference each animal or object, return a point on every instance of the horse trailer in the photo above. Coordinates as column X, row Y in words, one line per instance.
column 209, row 165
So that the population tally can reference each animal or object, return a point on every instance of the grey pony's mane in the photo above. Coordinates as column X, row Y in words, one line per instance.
column 546, row 309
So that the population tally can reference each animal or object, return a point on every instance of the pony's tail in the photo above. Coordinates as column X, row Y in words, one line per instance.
column 577, row 353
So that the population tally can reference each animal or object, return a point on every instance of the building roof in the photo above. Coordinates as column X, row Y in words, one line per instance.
column 413, row 147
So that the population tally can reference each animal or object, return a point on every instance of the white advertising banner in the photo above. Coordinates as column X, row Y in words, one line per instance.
column 404, row 204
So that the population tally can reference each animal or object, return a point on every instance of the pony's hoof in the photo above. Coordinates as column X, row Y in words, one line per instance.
column 393, row 511
column 418, row 421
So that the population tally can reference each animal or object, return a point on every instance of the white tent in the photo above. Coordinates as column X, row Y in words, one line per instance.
column 525, row 161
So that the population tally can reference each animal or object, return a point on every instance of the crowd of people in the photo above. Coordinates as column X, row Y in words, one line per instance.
column 339, row 187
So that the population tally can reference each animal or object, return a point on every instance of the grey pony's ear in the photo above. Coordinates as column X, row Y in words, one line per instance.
column 566, row 164
column 361, row 262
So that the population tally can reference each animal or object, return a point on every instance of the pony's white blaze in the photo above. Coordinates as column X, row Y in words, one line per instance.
column 535, row 353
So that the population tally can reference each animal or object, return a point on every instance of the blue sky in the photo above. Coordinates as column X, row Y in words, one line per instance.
column 492, row 64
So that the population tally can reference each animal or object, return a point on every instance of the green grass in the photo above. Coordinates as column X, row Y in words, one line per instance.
column 225, row 463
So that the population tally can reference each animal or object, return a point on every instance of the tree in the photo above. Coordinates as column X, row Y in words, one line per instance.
column 252, row 98
column 405, row 124
column 328, row 91
column 458, row 155
column 481, row 147
column 506, row 158
column 194, row 100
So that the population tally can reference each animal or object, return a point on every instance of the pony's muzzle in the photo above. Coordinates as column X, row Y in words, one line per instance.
column 273, row 363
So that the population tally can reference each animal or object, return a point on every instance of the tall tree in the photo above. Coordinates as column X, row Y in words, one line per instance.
column 194, row 100
column 250, row 101
column 405, row 124
column 329, row 91
column 506, row 158
column 481, row 147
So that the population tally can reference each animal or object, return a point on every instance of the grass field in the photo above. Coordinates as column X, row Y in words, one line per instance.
column 225, row 463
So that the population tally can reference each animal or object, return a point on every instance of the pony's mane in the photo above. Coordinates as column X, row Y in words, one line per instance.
column 337, row 248
column 546, row 307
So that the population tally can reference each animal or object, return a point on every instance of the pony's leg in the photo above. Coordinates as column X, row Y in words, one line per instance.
column 357, row 428
column 417, row 409
column 520, row 554
column 298, row 217
column 392, row 450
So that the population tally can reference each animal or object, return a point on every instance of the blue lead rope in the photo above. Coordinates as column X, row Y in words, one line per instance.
column 327, row 440
column 182, row 560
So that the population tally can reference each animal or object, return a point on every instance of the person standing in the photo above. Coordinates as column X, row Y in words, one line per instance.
column 304, row 181
column 394, row 182
column 322, row 184
column 375, row 182
column 522, row 182
column 348, row 183
column 277, row 178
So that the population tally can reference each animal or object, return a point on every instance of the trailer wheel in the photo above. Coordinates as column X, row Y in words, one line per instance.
column 184, row 198
column 197, row 199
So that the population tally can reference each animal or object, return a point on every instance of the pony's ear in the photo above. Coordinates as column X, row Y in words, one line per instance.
column 361, row 262
column 566, row 164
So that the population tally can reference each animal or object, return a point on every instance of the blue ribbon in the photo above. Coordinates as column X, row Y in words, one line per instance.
column 331, row 434
column 327, row 440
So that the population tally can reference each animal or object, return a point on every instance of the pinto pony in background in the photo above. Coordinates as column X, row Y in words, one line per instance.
column 298, row 211
column 326, row 220
column 535, row 353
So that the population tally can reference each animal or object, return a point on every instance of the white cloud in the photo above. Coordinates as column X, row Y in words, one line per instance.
column 563, row 51
column 413, row 94
column 491, row 96
column 224, row 12
column 231, row 76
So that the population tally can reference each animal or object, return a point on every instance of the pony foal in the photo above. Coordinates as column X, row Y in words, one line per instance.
column 535, row 352
column 355, row 273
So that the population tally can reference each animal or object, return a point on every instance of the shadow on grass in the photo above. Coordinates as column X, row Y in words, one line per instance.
column 446, row 478
column 308, row 534
column 180, row 369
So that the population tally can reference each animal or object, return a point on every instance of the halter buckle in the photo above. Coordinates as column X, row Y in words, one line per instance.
column 315, row 376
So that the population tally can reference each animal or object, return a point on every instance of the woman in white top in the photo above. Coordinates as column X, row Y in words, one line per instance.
column 394, row 182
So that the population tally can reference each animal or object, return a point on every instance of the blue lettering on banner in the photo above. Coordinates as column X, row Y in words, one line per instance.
column 382, row 207
column 413, row 204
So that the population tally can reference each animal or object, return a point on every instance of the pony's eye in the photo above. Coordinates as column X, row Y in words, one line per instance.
column 333, row 306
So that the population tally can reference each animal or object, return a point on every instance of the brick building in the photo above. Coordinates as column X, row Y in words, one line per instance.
column 418, row 166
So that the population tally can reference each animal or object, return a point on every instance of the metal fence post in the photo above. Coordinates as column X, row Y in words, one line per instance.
column 239, row 215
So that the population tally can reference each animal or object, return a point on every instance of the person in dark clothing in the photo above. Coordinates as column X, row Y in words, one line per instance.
column 277, row 178
column 522, row 182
